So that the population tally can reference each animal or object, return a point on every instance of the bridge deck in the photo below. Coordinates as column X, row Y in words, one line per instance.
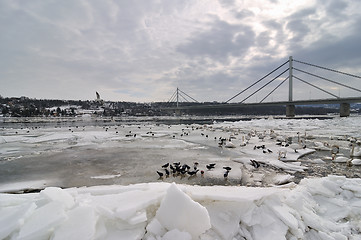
column 281, row 103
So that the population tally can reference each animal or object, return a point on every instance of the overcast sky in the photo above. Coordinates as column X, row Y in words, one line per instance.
column 142, row 50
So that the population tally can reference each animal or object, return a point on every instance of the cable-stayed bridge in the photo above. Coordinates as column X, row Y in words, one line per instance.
column 292, row 72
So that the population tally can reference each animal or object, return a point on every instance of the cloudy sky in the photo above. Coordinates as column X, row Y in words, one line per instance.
column 142, row 50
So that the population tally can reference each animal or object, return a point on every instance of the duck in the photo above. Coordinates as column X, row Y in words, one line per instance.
column 210, row 166
column 166, row 172
column 160, row 174
column 227, row 168
column 254, row 163
column 191, row 173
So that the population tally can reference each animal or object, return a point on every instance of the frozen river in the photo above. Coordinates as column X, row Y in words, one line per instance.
column 98, row 179
column 90, row 152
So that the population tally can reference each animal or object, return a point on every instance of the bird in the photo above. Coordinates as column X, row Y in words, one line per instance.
column 209, row 167
column 166, row 172
column 195, row 165
column 356, row 162
column 165, row 165
column 227, row 168
column 225, row 175
column 202, row 173
column 254, row 163
column 191, row 173
column 230, row 145
column 186, row 166
column 295, row 146
column 355, row 152
column 269, row 150
column 243, row 143
column 160, row 174
column 341, row 159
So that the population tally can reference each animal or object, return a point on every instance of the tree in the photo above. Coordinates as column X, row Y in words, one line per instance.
column 5, row 110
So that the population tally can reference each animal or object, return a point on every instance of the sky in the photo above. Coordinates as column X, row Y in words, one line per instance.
column 142, row 50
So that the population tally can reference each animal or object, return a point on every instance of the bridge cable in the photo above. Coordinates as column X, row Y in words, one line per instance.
column 187, row 95
column 181, row 95
column 329, row 69
column 314, row 75
column 316, row 87
column 173, row 95
column 274, row 89
column 256, row 82
column 172, row 99
column 264, row 86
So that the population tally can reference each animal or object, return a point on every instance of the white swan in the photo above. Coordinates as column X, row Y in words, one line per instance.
column 230, row 145
column 273, row 135
column 356, row 162
column 341, row 159
column 322, row 146
column 296, row 146
column 355, row 152
column 243, row 143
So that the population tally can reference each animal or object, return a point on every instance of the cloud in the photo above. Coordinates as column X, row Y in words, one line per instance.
column 143, row 50
column 220, row 42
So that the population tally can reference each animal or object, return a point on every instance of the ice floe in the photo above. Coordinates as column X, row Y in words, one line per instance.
column 319, row 208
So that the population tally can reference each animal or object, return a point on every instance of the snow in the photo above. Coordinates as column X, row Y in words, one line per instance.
column 175, row 208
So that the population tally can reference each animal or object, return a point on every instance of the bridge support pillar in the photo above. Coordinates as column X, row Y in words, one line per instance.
column 290, row 111
column 344, row 109
column 177, row 113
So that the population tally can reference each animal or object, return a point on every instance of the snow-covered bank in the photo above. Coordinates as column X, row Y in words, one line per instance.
column 322, row 208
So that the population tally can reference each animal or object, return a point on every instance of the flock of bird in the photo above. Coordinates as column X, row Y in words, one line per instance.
column 283, row 142
column 177, row 169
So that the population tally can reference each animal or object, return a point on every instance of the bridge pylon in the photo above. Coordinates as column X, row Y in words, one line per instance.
column 290, row 109
column 176, row 99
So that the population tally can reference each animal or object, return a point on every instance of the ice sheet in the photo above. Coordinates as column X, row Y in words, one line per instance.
column 315, row 208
